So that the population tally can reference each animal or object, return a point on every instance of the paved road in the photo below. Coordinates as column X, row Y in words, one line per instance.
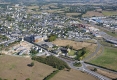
column 83, row 68
column 94, row 53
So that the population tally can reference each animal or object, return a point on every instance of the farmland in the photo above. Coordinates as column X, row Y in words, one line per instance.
column 72, row 14
column 92, row 13
column 107, row 59
column 16, row 68
column 109, row 13
column 72, row 75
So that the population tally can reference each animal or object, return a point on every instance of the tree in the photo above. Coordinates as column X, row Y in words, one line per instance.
column 33, row 52
column 52, row 61
column 52, row 37
column 27, row 79
column 83, row 51
column 32, row 64
column 95, row 69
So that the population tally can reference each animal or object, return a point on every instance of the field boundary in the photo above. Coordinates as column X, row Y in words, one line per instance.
column 101, row 67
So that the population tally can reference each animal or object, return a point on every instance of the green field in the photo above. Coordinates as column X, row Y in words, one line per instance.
column 108, row 59
column 71, row 53
column 109, row 13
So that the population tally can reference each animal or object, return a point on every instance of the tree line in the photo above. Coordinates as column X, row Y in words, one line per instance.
column 52, row 61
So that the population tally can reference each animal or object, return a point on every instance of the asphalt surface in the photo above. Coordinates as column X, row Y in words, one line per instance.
column 84, row 69
column 94, row 53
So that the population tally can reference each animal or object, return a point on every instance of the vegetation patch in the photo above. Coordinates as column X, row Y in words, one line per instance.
column 107, row 59
column 51, row 75
column 71, row 52
column 52, row 61
column 77, row 64
column 109, row 13
column 52, row 37
column 80, row 54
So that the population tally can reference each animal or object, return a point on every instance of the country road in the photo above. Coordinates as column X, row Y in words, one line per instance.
column 94, row 53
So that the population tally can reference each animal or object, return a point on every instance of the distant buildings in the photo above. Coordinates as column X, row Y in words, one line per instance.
column 37, row 39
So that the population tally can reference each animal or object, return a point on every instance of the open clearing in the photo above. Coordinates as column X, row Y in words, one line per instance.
column 109, row 13
column 72, row 14
column 16, row 68
column 76, row 45
column 108, row 59
column 92, row 13
column 72, row 75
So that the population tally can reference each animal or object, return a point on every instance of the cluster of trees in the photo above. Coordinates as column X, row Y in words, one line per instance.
column 80, row 53
column 52, row 37
column 68, row 46
column 3, row 37
column 52, row 61
column 77, row 64
column 33, row 52
column 112, row 8
column 51, row 75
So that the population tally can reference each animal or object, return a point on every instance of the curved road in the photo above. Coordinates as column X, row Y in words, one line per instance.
column 94, row 53
column 84, row 69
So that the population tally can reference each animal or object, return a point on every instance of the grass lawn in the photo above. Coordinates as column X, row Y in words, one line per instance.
column 109, row 13
column 108, row 59
column 71, row 53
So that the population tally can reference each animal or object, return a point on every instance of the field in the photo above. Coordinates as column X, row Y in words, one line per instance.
column 108, row 59
column 54, row 11
column 72, row 14
column 92, row 13
column 72, row 75
column 16, row 68
column 76, row 45
column 109, row 13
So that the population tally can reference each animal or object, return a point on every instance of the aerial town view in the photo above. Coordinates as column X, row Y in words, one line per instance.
column 58, row 39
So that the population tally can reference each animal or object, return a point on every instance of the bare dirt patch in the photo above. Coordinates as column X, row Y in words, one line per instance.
column 72, row 75
column 16, row 68
column 76, row 45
